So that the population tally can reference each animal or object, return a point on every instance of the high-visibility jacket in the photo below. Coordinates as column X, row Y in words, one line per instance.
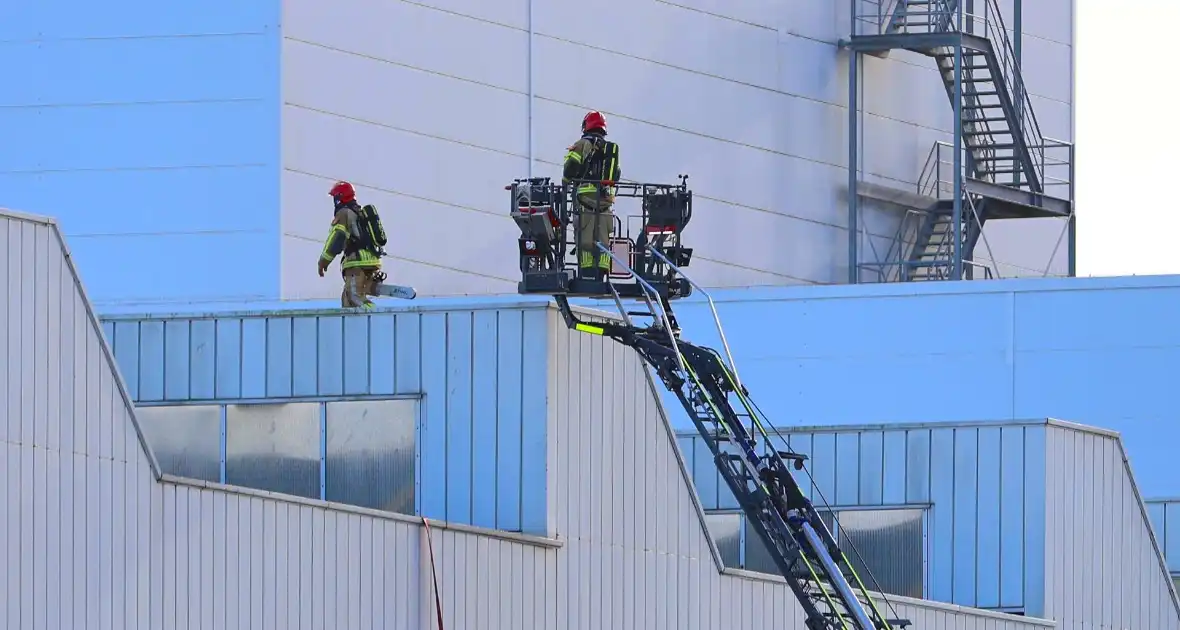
column 593, row 158
column 343, row 237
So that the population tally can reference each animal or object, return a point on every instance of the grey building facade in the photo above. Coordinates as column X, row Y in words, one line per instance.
column 98, row 536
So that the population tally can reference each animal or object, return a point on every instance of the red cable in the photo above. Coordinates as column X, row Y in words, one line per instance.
column 433, row 574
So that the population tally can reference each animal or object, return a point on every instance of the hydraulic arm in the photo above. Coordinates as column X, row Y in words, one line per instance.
column 816, row 569
column 832, row 594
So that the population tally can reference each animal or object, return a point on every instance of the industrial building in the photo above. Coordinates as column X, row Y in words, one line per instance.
column 272, row 466
column 102, row 536
column 235, row 101
column 585, row 507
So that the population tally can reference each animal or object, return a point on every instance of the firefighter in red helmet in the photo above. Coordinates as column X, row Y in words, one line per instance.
column 593, row 159
column 356, row 233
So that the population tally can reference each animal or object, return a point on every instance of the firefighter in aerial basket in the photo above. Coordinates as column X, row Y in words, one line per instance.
column 358, row 234
column 593, row 159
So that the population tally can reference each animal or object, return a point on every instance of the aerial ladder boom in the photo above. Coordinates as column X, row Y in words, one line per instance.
column 648, row 267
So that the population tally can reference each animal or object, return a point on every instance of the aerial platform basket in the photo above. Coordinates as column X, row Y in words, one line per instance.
column 549, row 217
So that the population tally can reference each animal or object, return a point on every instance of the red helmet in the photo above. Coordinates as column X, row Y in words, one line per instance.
column 342, row 192
column 594, row 120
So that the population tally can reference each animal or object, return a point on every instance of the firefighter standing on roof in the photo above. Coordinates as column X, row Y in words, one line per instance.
column 357, row 234
column 593, row 159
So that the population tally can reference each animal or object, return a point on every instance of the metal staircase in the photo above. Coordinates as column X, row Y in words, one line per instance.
column 1000, row 165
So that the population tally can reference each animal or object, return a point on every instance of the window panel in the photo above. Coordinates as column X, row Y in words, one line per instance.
column 370, row 454
column 274, row 447
column 758, row 557
column 889, row 543
column 727, row 533
column 185, row 439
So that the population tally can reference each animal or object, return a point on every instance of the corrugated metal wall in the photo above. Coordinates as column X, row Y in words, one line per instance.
column 95, row 541
column 1103, row 568
column 481, row 445
column 636, row 552
column 858, row 362
column 982, row 487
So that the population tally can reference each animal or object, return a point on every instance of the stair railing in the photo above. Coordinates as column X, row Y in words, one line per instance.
column 1030, row 129
column 937, row 178
column 1058, row 179
column 887, row 17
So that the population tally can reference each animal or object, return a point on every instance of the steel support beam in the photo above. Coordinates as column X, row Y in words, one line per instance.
column 853, row 162
column 957, row 213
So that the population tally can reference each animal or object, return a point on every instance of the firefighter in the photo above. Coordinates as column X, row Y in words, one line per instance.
column 595, row 159
column 352, row 234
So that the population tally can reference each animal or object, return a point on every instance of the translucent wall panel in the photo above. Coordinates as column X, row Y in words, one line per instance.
column 370, row 454
column 274, row 447
column 726, row 530
column 887, row 542
column 185, row 439
column 757, row 557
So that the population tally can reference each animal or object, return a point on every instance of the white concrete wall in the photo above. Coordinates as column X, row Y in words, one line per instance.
column 432, row 117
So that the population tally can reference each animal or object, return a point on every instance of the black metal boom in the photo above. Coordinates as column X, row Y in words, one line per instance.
column 649, row 267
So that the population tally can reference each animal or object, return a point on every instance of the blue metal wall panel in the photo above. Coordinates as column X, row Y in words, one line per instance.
column 481, row 374
column 151, row 352
column 459, row 417
column 980, row 484
column 990, row 509
column 254, row 354
column 1012, row 491
column 1165, row 522
column 534, row 395
column 966, row 514
column 509, row 407
column 894, row 467
column 872, row 469
column 1021, row 351
column 1035, row 497
column 942, row 522
column 434, row 432
column 485, row 420
column 162, row 129
column 1172, row 535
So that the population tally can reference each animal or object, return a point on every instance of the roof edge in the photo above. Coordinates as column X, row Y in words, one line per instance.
column 844, row 291
column 909, row 601
column 279, row 308
column 527, row 539
column 25, row 216
column 96, row 325
column 949, row 424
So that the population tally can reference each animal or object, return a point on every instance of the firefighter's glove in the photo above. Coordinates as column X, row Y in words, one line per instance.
column 323, row 265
